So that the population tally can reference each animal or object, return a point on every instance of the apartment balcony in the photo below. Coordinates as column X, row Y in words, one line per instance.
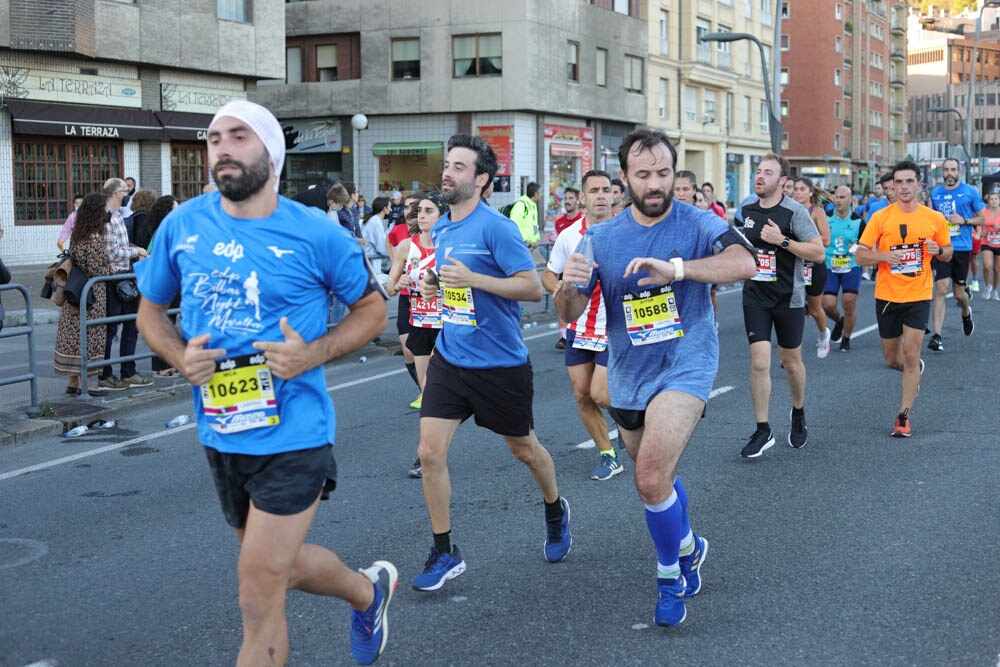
column 898, row 28
column 897, row 108
column 897, row 81
column 898, row 56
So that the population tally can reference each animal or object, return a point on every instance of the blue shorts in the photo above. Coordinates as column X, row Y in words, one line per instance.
column 849, row 282
column 575, row 356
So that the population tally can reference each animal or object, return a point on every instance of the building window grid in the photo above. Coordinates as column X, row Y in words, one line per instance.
column 633, row 74
column 664, row 33
column 188, row 170
column 661, row 107
column 573, row 61
column 703, row 50
column 764, row 118
column 690, row 104
column 708, row 109
column 722, row 50
column 48, row 173
column 406, row 58
column 601, row 70
column 477, row 55
column 234, row 10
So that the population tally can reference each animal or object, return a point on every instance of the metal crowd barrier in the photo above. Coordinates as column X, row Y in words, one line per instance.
column 27, row 330
column 85, row 363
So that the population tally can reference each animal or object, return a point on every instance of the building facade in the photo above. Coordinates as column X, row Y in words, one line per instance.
column 91, row 89
column 939, row 67
column 843, row 100
column 552, row 85
column 709, row 97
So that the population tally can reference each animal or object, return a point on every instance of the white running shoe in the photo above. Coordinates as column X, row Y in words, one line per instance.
column 823, row 344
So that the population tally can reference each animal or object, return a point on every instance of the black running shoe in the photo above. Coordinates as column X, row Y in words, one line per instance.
column 935, row 343
column 845, row 345
column 838, row 330
column 799, row 434
column 968, row 326
column 759, row 442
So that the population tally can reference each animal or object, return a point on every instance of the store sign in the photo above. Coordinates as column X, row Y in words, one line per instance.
column 175, row 97
column 501, row 139
column 312, row 135
column 42, row 85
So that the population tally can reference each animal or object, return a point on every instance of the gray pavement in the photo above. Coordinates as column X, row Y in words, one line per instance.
column 858, row 549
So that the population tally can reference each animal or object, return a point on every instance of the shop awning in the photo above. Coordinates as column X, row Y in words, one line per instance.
column 184, row 126
column 564, row 149
column 408, row 148
column 84, row 122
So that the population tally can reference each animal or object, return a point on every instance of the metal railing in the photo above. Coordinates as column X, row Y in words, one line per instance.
column 85, row 363
column 27, row 330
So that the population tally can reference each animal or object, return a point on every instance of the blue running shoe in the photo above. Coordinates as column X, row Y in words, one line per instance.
column 439, row 568
column 558, row 540
column 690, row 566
column 670, row 609
column 370, row 628
column 608, row 468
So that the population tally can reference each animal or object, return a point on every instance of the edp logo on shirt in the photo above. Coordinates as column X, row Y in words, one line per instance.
column 232, row 250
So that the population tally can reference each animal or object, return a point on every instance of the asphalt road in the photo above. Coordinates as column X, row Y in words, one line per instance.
column 858, row 549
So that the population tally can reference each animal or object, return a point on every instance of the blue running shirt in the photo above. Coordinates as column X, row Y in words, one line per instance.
column 237, row 278
column 637, row 373
column 482, row 331
column 964, row 200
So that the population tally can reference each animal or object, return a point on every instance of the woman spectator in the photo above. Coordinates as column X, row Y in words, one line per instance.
column 157, row 212
column 86, row 248
column 374, row 235
column 139, row 233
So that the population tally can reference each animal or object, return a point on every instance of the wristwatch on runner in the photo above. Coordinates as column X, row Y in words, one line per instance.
column 784, row 242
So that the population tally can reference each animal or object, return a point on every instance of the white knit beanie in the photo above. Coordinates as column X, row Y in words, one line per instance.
column 264, row 125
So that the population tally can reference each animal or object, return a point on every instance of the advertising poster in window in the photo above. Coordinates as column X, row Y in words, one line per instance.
column 501, row 139
column 571, row 155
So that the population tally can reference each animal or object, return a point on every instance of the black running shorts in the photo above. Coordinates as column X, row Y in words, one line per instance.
column 403, row 326
column 818, row 284
column 421, row 341
column 891, row 317
column 787, row 323
column 282, row 484
column 499, row 398
column 957, row 268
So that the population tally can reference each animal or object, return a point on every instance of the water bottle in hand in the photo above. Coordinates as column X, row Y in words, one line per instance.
column 586, row 248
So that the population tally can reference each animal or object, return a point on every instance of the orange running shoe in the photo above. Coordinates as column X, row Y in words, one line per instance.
column 902, row 427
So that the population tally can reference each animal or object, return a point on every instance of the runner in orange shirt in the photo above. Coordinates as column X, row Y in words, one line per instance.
column 902, row 238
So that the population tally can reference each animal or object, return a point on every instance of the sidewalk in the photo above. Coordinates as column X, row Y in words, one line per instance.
column 60, row 413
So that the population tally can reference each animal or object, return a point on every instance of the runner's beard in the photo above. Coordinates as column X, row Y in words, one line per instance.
column 459, row 192
column 250, row 182
column 651, row 211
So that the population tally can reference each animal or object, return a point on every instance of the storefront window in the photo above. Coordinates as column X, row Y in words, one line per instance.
column 188, row 170
column 48, row 173
column 305, row 169
column 409, row 166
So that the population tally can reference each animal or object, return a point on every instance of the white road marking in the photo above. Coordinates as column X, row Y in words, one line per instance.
column 158, row 434
column 34, row 548
column 612, row 434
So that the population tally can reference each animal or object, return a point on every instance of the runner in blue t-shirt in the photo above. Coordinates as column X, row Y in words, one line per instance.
column 255, row 272
column 480, row 367
column 654, row 263
column 888, row 188
column 962, row 205
column 843, row 273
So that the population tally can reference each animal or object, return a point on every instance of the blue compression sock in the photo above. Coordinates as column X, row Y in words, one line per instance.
column 664, row 523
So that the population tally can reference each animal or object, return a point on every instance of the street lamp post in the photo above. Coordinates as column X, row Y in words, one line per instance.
column 774, row 121
column 972, row 79
column 359, row 122
column 964, row 137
